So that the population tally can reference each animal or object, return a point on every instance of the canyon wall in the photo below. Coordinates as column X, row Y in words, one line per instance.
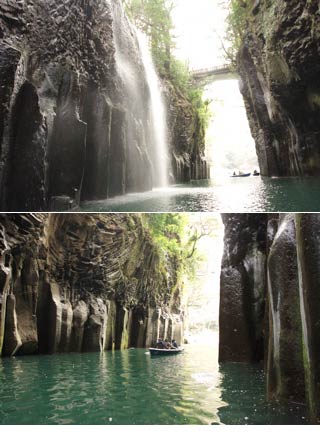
column 79, row 283
column 187, row 136
column 75, row 106
column 279, row 68
column 274, row 305
column 242, row 298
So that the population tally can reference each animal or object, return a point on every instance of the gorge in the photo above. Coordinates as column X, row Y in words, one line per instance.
column 78, row 109
column 82, row 283
column 269, row 310
column 278, row 62
column 84, row 109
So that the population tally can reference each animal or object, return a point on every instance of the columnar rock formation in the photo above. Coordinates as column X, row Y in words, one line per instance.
column 276, row 303
column 242, row 300
column 73, row 283
column 187, row 136
column 74, row 106
column 279, row 68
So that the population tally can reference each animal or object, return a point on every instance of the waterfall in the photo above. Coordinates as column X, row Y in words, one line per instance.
column 158, row 115
column 146, row 155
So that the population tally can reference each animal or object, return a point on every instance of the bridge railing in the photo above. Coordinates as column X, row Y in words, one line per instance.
column 223, row 67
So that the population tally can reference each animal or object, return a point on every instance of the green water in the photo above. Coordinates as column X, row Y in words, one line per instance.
column 253, row 194
column 130, row 387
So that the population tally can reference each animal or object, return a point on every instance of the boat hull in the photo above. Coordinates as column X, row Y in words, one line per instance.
column 163, row 352
column 243, row 175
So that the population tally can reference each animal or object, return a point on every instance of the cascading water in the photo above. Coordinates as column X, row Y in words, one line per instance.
column 146, row 158
column 158, row 115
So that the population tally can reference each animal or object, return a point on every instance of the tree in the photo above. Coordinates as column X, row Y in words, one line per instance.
column 153, row 18
column 237, row 25
column 178, row 235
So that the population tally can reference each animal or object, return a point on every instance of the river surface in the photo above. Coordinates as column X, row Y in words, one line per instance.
column 252, row 194
column 130, row 387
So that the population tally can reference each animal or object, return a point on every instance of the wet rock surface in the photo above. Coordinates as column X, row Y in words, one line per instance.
column 280, row 310
column 186, row 137
column 74, row 107
column 279, row 68
column 242, row 296
column 285, row 369
column 308, row 248
column 82, row 282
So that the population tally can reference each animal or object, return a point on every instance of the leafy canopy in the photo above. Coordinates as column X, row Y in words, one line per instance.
column 236, row 27
column 177, row 236
column 153, row 18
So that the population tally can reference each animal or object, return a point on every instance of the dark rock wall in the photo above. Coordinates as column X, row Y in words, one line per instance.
column 279, row 310
column 279, row 68
column 285, row 370
column 242, row 297
column 186, row 138
column 74, row 106
column 83, row 283
column 308, row 249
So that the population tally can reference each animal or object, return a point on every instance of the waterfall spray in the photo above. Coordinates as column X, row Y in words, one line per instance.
column 158, row 116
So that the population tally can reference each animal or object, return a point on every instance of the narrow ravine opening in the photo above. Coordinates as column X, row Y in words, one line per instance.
column 229, row 143
column 103, row 293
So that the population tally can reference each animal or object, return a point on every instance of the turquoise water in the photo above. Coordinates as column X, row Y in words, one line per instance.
column 130, row 387
column 253, row 194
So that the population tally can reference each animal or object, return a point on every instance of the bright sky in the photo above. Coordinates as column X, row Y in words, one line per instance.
column 199, row 27
column 207, row 287
column 230, row 146
column 199, row 24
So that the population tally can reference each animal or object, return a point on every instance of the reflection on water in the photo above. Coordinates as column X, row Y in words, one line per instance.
column 243, row 387
column 252, row 194
column 130, row 387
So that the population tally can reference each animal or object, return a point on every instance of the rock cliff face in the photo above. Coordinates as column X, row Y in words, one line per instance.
column 76, row 283
column 186, row 138
column 242, row 299
column 74, row 105
column 279, row 296
column 279, row 68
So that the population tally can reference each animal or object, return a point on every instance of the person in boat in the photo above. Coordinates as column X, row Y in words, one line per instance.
column 174, row 344
column 160, row 344
column 234, row 173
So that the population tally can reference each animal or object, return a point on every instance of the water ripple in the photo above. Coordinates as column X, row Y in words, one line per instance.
column 132, row 388
column 229, row 195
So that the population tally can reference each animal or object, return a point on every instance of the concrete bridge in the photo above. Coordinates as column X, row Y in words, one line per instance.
column 207, row 76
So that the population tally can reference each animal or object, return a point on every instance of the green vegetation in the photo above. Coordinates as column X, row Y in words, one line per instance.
column 167, row 231
column 237, row 25
column 153, row 18
column 177, row 237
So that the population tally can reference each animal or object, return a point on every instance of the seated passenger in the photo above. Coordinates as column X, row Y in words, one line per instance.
column 160, row 344
column 174, row 344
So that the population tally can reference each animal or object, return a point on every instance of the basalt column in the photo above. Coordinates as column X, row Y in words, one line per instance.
column 285, row 370
column 279, row 67
column 84, row 283
column 243, row 288
column 282, row 309
column 308, row 247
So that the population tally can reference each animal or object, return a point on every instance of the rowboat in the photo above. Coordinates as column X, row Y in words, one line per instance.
column 242, row 175
column 164, row 352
